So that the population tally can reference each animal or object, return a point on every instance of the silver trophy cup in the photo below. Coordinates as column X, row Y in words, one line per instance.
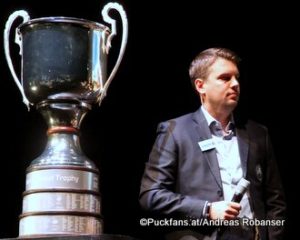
column 63, row 73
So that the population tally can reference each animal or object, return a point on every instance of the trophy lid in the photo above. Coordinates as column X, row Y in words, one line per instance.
column 71, row 20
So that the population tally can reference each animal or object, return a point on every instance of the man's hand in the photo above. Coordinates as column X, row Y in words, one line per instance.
column 224, row 210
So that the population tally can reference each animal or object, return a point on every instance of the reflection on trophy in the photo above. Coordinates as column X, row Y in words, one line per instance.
column 63, row 72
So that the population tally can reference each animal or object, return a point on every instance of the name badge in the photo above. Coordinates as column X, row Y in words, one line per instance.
column 206, row 145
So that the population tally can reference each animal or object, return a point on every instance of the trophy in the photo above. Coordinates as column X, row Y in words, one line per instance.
column 63, row 73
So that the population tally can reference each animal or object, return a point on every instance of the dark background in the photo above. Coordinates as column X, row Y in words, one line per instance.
column 152, row 85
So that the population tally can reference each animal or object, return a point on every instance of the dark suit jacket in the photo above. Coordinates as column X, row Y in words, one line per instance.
column 179, row 178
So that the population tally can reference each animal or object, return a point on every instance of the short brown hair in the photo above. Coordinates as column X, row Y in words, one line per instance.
column 200, row 65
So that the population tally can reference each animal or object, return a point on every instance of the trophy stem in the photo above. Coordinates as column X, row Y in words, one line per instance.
column 62, row 129
column 63, row 146
column 62, row 185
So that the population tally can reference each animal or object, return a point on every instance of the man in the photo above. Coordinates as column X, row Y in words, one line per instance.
column 199, row 158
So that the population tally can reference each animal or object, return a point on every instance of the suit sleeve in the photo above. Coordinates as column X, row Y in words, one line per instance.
column 275, row 199
column 158, row 192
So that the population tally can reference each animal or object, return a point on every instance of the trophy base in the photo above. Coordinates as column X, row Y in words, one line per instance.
column 61, row 201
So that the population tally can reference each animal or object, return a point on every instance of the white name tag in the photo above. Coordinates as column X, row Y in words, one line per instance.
column 206, row 145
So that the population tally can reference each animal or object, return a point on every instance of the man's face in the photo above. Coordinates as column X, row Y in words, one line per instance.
column 221, row 89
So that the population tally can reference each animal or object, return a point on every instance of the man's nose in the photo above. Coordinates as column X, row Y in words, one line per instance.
column 234, row 82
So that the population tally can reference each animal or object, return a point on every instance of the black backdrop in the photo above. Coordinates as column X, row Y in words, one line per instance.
column 152, row 85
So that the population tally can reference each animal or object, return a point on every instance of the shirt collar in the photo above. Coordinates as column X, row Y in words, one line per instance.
column 207, row 116
column 216, row 127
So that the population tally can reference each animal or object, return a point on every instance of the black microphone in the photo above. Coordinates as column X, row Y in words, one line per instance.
column 240, row 190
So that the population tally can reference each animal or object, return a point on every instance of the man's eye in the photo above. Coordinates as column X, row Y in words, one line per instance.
column 225, row 78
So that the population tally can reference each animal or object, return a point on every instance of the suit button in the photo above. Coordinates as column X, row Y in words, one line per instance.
column 220, row 193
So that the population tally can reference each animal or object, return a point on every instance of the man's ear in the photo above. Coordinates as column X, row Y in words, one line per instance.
column 199, row 85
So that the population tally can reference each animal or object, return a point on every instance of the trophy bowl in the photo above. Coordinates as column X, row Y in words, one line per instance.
column 63, row 58
column 63, row 72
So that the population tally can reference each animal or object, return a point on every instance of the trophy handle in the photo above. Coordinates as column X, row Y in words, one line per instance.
column 18, row 40
column 111, row 21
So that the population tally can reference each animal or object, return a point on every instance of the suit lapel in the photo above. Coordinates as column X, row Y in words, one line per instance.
column 209, row 155
column 243, row 142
